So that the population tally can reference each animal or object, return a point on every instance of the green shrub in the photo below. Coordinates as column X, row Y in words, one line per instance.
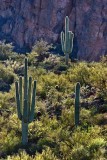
column 78, row 146
column 79, row 73
column 52, row 134
column 19, row 58
column 98, row 78
column 6, row 75
column 46, row 154
column 60, row 68
column 42, row 48
column 6, row 50
column 8, row 141
column 22, row 155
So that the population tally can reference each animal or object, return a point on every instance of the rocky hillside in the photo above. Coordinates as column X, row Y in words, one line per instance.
column 24, row 22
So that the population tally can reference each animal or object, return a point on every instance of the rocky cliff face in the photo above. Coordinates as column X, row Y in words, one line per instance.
column 25, row 21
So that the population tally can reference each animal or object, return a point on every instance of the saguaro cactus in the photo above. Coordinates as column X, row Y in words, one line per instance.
column 26, row 103
column 67, row 40
column 77, row 108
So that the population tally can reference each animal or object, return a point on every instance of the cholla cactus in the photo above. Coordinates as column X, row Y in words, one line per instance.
column 67, row 40
column 77, row 108
column 25, row 107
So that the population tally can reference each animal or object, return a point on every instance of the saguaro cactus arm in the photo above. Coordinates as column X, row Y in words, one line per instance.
column 67, row 34
column 71, row 37
column 20, row 94
column 25, row 79
column 18, row 101
column 62, row 41
column 31, row 115
column 25, row 109
column 77, row 101
column 29, row 93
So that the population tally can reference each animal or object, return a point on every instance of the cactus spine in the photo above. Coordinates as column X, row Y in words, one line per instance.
column 67, row 40
column 77, row 108
column 25, row 107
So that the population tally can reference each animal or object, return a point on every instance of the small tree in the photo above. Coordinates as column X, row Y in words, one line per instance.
column 42, row 49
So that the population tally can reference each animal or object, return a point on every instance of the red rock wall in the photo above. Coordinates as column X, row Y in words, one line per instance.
column 25, row 21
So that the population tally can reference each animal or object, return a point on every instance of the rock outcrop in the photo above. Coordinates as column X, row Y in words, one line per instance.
column 25, row 21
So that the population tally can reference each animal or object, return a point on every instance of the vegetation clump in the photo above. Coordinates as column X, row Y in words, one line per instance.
column 52, row 134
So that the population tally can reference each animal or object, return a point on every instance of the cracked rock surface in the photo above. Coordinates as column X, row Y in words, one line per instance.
column 25, row 21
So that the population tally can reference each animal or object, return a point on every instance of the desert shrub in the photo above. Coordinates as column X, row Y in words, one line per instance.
column 79, row 73
column 78, row 146
column 21, row 155
column 52, row 134
column 98, row 74
column 32, row 58
column 8, row 141
column 18, row 57
column 86, row 118
column 6, row 75
column 60, row 68
column 42, row 48
column 6, row 50
column 46, row 154
column 14, row 123
column 15, row 66
column 67, row 118
column 52, row 86
column 68, row 102
column 41, row 107
column 36, row 73
column 4, row 100
column 11, row 64
column 103, row 60
column 91, row 75
column 51, row 62
column 7, row 99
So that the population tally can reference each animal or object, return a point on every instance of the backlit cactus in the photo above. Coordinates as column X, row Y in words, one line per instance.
column 67, row 40
column 26, row 103
column 77, row 101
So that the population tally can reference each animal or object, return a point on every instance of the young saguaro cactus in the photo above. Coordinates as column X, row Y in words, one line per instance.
column 67, row 40
column 26, row 104
column 77, row 100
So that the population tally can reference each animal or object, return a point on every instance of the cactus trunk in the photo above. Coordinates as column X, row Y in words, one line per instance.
column 24, row 133
column 67, row 58
column 77, row 107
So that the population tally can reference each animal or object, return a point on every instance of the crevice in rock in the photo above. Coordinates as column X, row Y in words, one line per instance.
column 96, row 56
column 102, row 20
column 74, row 53
column 39, row 11
column 75, row 5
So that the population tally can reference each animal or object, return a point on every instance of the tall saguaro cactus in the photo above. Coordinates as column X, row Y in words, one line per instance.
column 67, row 40
column 77, row 108
column 26, row 103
